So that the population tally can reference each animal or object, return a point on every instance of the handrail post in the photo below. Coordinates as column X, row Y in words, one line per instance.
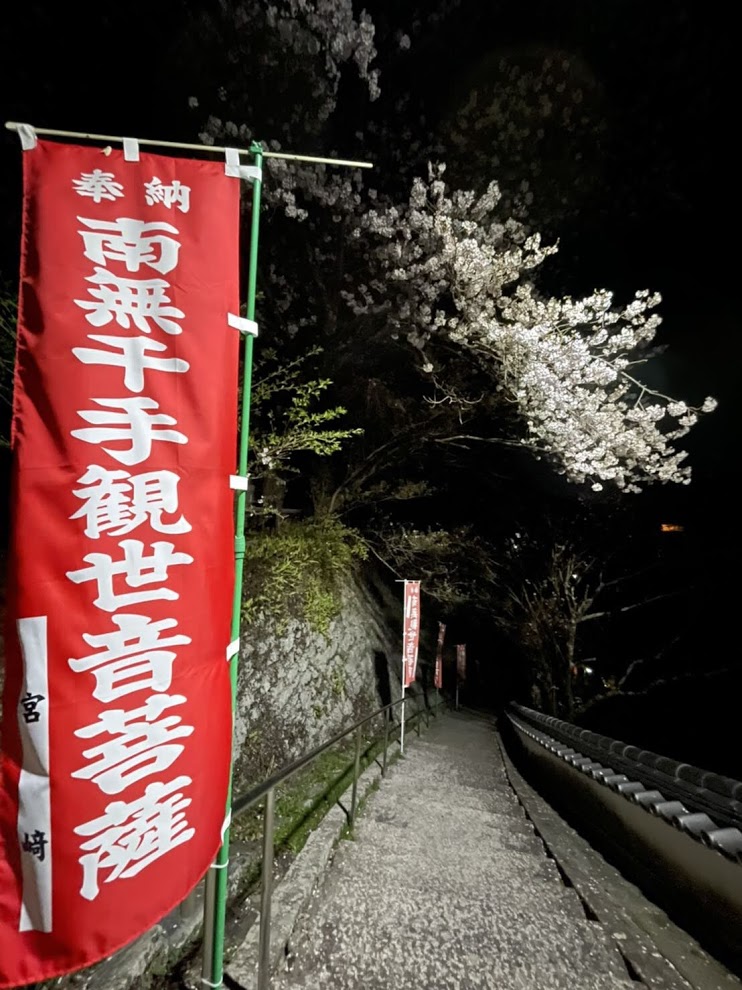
column 387, row 714
column 264, row 961
column 356, row 773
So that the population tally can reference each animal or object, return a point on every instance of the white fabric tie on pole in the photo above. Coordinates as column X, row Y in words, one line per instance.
column 242, row 324
column 28, row 137
column 239, row 482
column 233, row 648
column 233, row 168
column 131, row 150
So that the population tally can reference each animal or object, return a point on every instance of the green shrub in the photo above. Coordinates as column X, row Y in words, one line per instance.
column 298, row 569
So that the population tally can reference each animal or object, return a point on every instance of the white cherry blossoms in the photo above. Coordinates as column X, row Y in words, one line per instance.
column 449, row 270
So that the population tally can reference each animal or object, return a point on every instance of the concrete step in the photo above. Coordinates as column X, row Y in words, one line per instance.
column 553, row 901
column 457, row 944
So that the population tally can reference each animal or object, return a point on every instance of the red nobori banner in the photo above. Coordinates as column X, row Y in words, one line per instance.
column 411, row 630
column 117, row 713
column 438, row 681
column 461, row 661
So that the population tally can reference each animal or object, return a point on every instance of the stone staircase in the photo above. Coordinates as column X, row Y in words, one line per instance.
column 447, row 887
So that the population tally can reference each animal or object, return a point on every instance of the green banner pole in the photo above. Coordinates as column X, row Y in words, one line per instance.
column 215, row 898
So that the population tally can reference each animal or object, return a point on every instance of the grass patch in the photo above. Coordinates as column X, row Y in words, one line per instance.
column 304, row 800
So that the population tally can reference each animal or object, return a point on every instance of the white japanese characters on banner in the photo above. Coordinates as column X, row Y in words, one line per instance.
column 411, row 630
column 438, row 674
column 129, row 745
column 461, row 662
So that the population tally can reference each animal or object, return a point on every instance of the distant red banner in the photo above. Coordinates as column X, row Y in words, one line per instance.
column 438, row 680
column 117, row 714
column 461, row 661
column 411, row 629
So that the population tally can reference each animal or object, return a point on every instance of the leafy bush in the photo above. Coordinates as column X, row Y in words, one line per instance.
column 299, row 567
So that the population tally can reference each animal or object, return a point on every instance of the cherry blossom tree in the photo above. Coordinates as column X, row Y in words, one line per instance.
column 449, row 271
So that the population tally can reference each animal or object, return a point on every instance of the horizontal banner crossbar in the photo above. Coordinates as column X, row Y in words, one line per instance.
column 13, row 125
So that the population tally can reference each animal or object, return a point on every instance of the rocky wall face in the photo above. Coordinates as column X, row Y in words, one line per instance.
column 297, row 688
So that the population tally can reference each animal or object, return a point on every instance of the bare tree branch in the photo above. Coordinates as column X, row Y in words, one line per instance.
column 629, row 608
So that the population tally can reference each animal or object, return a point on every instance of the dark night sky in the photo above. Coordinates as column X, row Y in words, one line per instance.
column 668, row 78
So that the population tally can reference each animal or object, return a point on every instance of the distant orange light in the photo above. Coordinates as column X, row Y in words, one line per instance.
column 671, row 528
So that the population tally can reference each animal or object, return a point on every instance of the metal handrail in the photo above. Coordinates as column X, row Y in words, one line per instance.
column 246, row 801
column 267, row 790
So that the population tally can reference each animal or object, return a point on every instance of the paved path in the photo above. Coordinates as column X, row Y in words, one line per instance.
column 446, row 887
